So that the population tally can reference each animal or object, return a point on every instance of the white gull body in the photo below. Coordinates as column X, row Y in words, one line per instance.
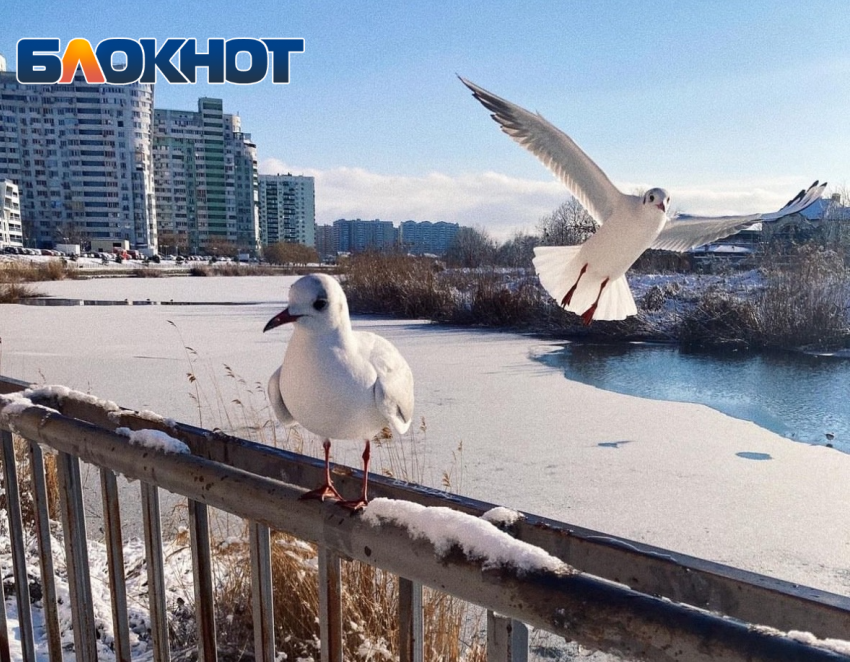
column 336, row 382
column 590, row 279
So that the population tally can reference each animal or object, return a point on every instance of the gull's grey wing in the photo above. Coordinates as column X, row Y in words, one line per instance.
column 558, row 152
column 394, row 385
column 685, row 232
column 276, row 400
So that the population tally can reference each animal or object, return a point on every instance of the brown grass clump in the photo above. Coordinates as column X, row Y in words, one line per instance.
column 30, row 272
column 25, row 484
column 14, row 292
column 147, row 272
column 369, row 609
column 396, row 284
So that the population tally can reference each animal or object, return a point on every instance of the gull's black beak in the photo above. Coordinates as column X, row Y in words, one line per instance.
column 283, row 317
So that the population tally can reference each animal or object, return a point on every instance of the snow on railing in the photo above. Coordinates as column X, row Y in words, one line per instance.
column 604, row 592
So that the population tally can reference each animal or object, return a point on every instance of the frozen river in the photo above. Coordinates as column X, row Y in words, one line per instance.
column 671, row 474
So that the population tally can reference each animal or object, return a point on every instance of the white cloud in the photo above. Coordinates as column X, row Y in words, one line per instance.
column 500, row 203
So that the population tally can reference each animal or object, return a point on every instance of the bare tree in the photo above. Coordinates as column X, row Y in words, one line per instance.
column 518, row 251
column 568, row 225
column 471, row 248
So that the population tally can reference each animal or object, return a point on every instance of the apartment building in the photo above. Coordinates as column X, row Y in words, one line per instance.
column 424, row 237
column 206, row 178
column 80, row 157
column 352, row 236
column 287, row 209
column 11, row 230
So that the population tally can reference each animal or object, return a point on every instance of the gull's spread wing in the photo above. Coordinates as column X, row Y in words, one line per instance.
column 556, row 150
column 685, row 232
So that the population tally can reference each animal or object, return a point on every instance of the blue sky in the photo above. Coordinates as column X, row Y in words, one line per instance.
column 732, row 107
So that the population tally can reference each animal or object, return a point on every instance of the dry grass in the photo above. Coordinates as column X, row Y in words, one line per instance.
column 369, row 609
column 28, row 272
column 147, row 272
column 802, row 304
column 25, row 484
column 805, row 300
column 396, row 284
column 231, row 269
column 14, row 292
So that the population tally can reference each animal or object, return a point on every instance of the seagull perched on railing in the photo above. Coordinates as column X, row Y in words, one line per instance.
column 336, row 382
column 590, row 279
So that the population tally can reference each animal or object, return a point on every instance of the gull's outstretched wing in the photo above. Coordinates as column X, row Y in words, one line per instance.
column 685, row 232
column 556, row 150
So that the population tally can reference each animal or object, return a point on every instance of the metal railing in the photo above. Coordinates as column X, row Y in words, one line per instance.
column 624, row 597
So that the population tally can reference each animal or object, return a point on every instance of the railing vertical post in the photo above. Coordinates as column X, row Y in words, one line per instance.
column 199, row 533
column 410, row 624
column 330, row 605
column 115, row 563
column 156, row 578
column 45, row 553
column 507, row 639
column 77, row 557
column 19, row 556
column 261, row 592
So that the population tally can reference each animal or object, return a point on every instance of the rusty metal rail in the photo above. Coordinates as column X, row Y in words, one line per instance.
column 634, row 599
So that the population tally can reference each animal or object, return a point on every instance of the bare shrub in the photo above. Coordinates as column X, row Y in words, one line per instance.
column 804, row 302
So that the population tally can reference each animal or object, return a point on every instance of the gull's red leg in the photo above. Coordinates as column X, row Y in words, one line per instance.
column 327, row 489
column 587, row 315
column 569, row 295
column 363, row 501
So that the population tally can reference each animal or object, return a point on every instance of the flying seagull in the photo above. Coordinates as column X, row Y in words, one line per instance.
column 336, row 382
column 590, row 279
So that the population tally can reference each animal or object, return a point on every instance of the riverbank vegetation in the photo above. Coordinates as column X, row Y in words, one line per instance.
column 795, row 298
column 16, row 278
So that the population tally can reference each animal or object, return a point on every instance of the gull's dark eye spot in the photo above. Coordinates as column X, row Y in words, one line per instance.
column 652, row 198
column 320, row 304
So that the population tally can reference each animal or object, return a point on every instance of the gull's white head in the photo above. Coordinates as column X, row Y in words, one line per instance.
column 657, row 197
column 316, row 302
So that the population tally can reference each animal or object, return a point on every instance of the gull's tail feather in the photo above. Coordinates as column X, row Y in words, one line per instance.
column 616, row 302
column 559, row 271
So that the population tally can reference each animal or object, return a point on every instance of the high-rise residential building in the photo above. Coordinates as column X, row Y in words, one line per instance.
column 287, row 209
column 206, row 178
column 427, row 237
column 11, row 230
column 352, row 236
column 325, row 245
column 80, row 157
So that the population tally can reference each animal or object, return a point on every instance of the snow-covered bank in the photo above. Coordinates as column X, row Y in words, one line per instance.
column 532, row 440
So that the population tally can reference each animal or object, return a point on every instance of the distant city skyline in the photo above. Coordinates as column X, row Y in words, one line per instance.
column 732, row 108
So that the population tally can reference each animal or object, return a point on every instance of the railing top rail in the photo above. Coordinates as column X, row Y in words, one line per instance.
column 652, row 571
